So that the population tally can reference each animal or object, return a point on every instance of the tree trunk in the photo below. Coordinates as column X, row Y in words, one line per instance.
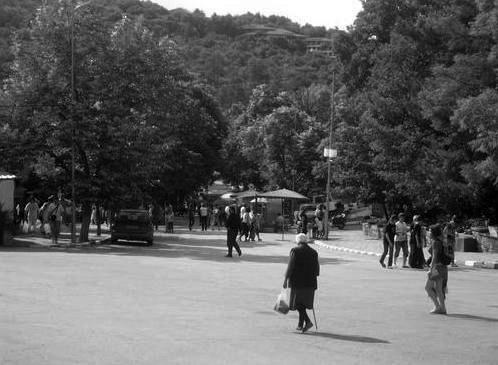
column 384, row 207
column 99, row 219
column 85, row 221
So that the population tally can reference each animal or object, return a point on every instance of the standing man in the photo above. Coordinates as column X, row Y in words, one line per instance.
column 401, row 239
column 233, row 227
column 389, row 233
column 449, row 236
column 203, row 213
column 32, row 210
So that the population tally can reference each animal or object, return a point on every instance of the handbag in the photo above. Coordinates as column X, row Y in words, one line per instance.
column 433, row 273
column 282, row 303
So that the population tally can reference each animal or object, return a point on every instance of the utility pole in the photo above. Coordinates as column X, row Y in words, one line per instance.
column 329, row 156
column 73, row 132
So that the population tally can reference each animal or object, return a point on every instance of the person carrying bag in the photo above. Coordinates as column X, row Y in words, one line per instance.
column 301, row 277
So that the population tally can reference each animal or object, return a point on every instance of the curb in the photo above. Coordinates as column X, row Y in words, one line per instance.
column 468, row 263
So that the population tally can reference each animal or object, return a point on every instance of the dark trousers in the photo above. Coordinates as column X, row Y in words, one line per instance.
column 245, row 231
column 303, row 316
column 401, row 245
column 232, row 241
column 387, row 248
column 191, row 222
column 204, row 223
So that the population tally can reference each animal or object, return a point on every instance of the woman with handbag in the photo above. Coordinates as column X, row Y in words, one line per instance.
column 437, row 277
column 301, row 274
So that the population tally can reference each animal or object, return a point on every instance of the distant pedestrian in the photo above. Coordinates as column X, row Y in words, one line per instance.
column 170, row 220
column 244, row 219
column 203, row 215
column 257, row 226
column 233, row 227
column 401, row 239
column 437, row 277
column 93, row 216
column 449, row 236
column 191, row 216
column 388, row 240
column 416, row 257
column 215, row 218
column 303, row 221
column 43, row 216
column 319, row 221
column 301, row 277
column 32, row 210
column 55, row 211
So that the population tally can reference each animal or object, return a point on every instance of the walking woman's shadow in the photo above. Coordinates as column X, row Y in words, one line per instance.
column 351, row 338
column 470, row 316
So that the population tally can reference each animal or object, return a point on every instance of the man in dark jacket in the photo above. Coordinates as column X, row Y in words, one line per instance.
column 233, row 227
column 302, row 271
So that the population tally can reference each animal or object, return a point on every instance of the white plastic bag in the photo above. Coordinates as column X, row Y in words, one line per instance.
column 282, row 303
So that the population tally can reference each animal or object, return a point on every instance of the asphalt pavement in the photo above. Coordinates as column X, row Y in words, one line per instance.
column 181, row 301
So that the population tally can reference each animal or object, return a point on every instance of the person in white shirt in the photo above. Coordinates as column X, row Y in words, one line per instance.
column 32, row 210
column 203, row 215
column 401, row 239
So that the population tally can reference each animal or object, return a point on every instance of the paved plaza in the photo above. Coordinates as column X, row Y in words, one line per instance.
column 182, row 302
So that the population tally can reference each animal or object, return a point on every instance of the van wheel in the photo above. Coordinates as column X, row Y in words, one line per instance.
column 149, row 243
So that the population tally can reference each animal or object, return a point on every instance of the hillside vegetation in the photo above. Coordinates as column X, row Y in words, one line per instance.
column 415, row 102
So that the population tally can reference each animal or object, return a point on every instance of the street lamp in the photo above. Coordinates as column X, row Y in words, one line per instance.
column 329, row 153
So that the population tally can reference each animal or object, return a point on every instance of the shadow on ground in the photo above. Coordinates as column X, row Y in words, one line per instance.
column 197, row 246
column 472, row 317
column 352, row 338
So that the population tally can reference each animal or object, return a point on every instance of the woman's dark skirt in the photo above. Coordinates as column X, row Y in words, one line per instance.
column 304, row 296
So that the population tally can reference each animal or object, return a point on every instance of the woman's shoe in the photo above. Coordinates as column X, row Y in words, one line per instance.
column 299, row 328
column 382, row 264
column 228, row 255
column 307, row 326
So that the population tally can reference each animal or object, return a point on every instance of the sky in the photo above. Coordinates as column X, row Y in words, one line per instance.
column 328, row 13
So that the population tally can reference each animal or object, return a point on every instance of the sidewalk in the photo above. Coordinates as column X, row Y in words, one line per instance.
column 348, row 241
column 39, row 240
column 356, row 242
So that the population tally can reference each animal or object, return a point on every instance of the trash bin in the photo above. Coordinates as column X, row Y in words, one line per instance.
column 366, row 228
column 466, row 243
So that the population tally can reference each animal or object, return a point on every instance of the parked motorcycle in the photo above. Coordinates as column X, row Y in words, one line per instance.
column 339, row 219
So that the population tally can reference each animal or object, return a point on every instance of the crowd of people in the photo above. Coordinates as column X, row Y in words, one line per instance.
column 410, row 241
column 47, row 218
column 312, row 225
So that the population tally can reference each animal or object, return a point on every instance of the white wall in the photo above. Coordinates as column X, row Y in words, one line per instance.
column 7, row 196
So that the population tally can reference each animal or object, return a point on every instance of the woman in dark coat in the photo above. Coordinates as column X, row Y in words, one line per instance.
column 300, row 277
column 233, row 228
column 416, row 259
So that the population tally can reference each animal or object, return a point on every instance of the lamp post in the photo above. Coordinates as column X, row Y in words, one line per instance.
column 329, row 155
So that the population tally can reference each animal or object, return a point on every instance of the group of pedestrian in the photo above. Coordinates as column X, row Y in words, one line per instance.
column 210, row 216
column 314, row 223
column 244, row 225
column 411, row 240
column 47, row 219
column 441, row 249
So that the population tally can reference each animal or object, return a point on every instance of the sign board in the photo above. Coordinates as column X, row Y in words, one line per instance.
column 329, row 152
